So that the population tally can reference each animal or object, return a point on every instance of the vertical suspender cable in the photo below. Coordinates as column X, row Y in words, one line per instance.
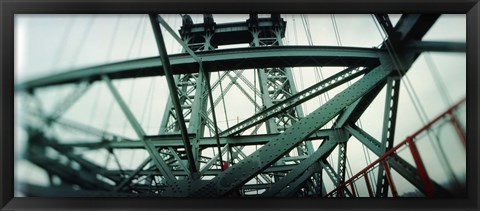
column 82, row 42
column 109, row 54
column 413, row 96
column 437, row 79
column 223, row 100
column 209, row 89
column 411, row 93
column 226, row 117
column 447, row 99
column 60, row 51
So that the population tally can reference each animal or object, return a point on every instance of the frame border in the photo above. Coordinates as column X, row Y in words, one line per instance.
column 8, row 9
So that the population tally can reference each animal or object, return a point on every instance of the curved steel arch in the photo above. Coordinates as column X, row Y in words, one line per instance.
column 379, row 70
column 220, row 60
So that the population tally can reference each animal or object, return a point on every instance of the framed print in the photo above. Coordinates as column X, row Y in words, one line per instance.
column 226, row 105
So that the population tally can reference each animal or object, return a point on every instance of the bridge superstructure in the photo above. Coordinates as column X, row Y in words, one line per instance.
column 191, row 156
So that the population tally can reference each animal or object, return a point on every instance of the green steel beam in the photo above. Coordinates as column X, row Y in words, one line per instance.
column 104, row 135
column 214, row 160
column 69, row 100
column 131, row 174
column 219, row 60
column 173, row 90
column 301, row 168
column 277, row 147
column 86, row 179
column 296, row 99
column 33, row 190
column 405, row 169
column 159, row 162
column 340, row 136
column 176, row 141
column 388, row 133
column 180, row 161
column 437, row 46
column 334, row 177
column 353, row 112
column 210, row 172
column 39, row 140
column 342, row 160
column 414, row 26
column 176, row 37
column 411, row 28
column 130, row 117
column 293, row 187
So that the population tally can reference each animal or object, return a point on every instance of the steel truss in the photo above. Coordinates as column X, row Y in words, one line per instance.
column 286, row 162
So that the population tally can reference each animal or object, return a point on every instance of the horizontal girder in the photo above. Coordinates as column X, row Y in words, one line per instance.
column 220, row 60
column 176, row 141
column 239, row 58
column 410, row 30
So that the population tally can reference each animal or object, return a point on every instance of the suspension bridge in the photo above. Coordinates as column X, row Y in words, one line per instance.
column 243, row 110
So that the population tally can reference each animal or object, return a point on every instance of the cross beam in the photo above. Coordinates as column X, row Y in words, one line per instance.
column 275, row 148
column 173, row 91
column 220, row 60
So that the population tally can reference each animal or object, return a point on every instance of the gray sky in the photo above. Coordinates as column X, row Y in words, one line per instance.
column 49, row 44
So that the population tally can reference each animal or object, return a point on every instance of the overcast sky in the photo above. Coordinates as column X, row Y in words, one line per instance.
column 49, row 44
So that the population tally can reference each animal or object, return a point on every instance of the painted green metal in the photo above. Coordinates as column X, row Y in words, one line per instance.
column 65, row 104
column 220, row 60
column 297, row 99
column 339, row 136
column 162, row 141
column 275, row 148
column 167, row 151
column 173, row 91
column 304, row 166
column 400, row 165
column 130, row 175
column 388, row 133
column 159, row 162
column 294, row 187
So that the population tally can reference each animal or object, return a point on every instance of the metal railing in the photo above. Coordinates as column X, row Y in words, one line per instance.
column 409, row 142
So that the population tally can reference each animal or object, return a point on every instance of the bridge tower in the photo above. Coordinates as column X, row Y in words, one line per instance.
column 278, row 151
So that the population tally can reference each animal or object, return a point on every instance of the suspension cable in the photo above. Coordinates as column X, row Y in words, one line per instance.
column 223, row 100
column 446, row 98
column 147, row 99
column 137, row 29
column 109, row 112
column 304, row 105
column 335, row 28
column 408, row 86
column 308, row 33
column 95, row 105
column 60, row 51
column 112, row 41
column 133, row 82
column 351, row 174
column 369, row 160
column 140, row 47
column 109, row 54
column 437, row 79
column 151, row 104
column 413, row 95
column 82, row 42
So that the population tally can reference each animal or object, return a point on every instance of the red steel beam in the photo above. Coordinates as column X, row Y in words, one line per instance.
column 427, row 185
column 404, row 142
column 369, row 187
column 390, row 180
column 458, row 129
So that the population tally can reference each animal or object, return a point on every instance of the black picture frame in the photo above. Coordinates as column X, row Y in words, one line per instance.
column 9, row 8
